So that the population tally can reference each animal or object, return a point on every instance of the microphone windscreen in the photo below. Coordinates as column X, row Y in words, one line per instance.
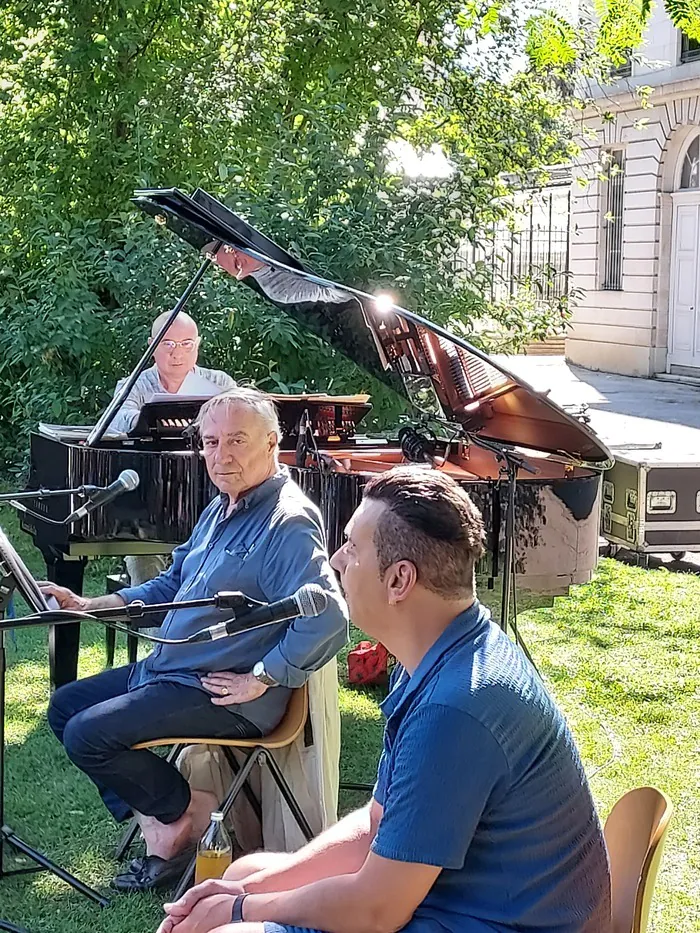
column 311, row 599
column 129, row 479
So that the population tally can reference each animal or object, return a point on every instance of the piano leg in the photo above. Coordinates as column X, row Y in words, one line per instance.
column 64, row 640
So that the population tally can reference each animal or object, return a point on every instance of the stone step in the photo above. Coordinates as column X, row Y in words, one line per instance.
column 553, row 346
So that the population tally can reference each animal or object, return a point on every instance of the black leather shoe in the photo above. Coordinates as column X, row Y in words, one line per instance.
column 152, row 872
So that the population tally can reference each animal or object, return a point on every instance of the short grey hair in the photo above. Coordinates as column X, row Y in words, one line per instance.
column 257, row 401
column 162, row 318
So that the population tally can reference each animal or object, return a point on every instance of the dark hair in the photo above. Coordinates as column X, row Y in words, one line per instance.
column 431, row 522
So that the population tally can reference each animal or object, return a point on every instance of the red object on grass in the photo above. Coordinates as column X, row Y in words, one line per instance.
column 368, row 664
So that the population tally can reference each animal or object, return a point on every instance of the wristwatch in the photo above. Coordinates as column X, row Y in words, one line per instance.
column 261, row 674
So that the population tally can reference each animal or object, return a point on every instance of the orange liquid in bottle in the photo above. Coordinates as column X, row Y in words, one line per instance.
column 211, row 864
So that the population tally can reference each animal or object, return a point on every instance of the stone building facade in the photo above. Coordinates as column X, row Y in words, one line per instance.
column 635, row 226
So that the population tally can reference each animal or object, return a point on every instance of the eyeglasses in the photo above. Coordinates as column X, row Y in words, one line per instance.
column 171, row 345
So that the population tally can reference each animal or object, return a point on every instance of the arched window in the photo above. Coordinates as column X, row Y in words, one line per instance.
column 690, row 173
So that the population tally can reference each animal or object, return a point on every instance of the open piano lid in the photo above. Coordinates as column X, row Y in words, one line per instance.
column 394, row 345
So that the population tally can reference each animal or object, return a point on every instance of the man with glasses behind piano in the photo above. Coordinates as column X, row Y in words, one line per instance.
column 175, row 372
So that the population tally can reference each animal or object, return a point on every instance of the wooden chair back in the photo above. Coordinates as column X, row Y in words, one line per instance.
column 635, row 833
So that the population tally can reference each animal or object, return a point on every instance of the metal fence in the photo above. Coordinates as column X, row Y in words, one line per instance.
column 614, row 192
column 529, row 252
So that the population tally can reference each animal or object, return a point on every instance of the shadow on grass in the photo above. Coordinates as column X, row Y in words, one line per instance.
column 621, row 604
column 54, row 808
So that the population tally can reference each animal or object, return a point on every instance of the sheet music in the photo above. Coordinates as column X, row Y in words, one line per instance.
column 196, row 385
column 72, row 432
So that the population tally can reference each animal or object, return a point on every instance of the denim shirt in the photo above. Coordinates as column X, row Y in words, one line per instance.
column 271, row 544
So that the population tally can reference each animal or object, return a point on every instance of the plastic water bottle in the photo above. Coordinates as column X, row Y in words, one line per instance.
column 214, row 851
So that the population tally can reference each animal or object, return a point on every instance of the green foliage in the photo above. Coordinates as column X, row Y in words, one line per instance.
column 685, row 14
column 288, row 111
column 606, row 33
column 551, row 41
column 621, row 26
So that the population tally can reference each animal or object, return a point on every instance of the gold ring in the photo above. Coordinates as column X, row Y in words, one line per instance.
column 224, row 690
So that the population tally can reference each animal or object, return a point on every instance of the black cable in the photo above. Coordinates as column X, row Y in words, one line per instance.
column 450, row 441
column 514, row 616
column 612, row 738
column 324, row 470
column 615, row 748
column 301, row 446
column 37, row 515
column 51, row 616
column 514, row 625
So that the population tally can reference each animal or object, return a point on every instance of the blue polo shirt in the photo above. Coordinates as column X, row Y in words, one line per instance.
column 480, row 776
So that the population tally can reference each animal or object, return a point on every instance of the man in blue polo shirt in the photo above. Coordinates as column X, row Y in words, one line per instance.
column 481, row 818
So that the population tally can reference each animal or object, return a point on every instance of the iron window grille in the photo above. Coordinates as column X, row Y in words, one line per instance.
column 613, row 197
column 533, row 255
column 690, row 49
column 624, row 69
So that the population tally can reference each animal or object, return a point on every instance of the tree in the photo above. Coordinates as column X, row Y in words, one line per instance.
column 288, row 111
column 685, row 14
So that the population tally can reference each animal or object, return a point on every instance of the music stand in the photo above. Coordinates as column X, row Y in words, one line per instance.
column 14, row 575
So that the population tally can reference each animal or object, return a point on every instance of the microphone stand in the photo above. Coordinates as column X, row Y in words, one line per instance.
column 41, row 493
column 15, row 500
column 512, row 462
column 234, row 601
column 7, row 834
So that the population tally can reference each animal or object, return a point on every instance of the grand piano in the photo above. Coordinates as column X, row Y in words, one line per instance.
column 532, row 468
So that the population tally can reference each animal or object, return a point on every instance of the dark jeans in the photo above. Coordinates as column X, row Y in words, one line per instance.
column 98, row 720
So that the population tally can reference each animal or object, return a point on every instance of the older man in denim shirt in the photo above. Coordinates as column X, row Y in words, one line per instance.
column 261, row 536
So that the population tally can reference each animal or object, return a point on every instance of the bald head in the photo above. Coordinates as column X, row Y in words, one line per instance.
column 182, row 322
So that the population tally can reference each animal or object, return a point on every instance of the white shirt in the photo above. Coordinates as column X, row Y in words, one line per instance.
column 198, row 381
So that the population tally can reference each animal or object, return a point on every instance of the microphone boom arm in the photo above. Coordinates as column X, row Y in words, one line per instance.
column 110, row 617
column 41, row 493
column 241, row 605
column 96, row 496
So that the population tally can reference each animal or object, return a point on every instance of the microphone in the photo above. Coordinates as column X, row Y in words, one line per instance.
column 302, row 431
column 127, row 481
column 309, row 600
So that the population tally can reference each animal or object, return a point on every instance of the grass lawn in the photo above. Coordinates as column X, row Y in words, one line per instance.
column 621, row 655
